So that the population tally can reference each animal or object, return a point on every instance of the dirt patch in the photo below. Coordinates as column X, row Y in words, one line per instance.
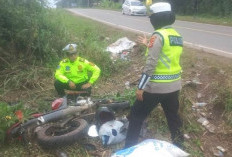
column 212, row 77
column 208, row 75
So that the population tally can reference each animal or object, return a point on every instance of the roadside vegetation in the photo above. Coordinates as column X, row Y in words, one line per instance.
column 31, row 38
column 105, row 4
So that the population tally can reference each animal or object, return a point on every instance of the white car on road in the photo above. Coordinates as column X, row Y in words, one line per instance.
column 134, row 7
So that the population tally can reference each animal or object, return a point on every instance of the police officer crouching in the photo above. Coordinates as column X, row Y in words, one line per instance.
column 161, row 78
column 72, row 73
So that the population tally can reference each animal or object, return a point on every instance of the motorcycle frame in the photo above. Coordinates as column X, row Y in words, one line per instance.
column 64, row 112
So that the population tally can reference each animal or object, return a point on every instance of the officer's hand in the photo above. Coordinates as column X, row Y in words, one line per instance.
column 72, row 85
column 142, row 40
column 139, row 95
column 85, row 86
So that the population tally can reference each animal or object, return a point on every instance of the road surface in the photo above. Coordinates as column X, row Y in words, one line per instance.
column 206, row 37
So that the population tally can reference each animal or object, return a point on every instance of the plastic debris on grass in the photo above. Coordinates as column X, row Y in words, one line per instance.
column 121, row 48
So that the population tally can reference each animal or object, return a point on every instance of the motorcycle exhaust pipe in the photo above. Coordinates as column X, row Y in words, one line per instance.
column 60, row 114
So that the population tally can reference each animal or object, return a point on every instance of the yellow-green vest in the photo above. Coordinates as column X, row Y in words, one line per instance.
column 168, row 67
column 77, row 71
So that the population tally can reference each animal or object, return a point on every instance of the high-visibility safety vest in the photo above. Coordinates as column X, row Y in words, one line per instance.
column 168, row 67
column 77, row 71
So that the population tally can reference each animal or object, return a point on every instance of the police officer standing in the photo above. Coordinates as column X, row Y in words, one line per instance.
column 72, row 72
column 161, row 78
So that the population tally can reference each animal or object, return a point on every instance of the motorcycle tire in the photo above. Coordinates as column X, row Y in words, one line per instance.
column 54, row 136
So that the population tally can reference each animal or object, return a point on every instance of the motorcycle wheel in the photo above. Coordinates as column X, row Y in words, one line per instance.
column 53, row 136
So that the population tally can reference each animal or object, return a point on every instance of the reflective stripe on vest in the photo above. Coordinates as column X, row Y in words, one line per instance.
column 166, row 77
column 168, row 68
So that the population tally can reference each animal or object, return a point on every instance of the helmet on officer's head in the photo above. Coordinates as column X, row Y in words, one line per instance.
column 160, row 7
column 70, row 49
column 162, row 15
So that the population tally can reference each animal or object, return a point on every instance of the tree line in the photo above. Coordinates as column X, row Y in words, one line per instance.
column 221, row 8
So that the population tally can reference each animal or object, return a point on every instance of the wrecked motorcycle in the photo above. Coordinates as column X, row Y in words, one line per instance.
column 65, row 124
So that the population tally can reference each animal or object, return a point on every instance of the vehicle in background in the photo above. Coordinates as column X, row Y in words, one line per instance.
column 134, row 7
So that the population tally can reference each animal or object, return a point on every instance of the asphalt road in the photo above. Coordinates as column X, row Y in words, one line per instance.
column 209, row 38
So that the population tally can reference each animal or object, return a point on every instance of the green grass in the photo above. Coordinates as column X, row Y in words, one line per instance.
column 192, row 147
column 105, row 4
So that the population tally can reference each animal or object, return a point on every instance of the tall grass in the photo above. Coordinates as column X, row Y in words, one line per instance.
column 29, row 31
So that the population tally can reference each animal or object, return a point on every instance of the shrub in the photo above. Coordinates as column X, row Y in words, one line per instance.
column 29, row 29
column 8, row 117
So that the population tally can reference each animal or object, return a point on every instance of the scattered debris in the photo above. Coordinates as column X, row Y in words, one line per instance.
column 107, row 38
column 196, row 105
column 203, row 121
column 61, row 154
column 92, row 132
column 186, row 136
column 200, row 104
column 127, row 84
column 196, row 81
column 218, row 153
column 222, row 71
column 221, row 149
column 199, row 95
column 202, row 148
column 213, row 98
column 211, row 128
column 193, row 82
column 124, row 55
column 120, row 48
column 120, row 45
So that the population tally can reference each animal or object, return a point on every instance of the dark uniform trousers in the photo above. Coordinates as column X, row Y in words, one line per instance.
column 60, row 87
column 141, row 109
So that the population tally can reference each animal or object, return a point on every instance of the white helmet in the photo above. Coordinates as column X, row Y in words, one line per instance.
column 160, row 7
